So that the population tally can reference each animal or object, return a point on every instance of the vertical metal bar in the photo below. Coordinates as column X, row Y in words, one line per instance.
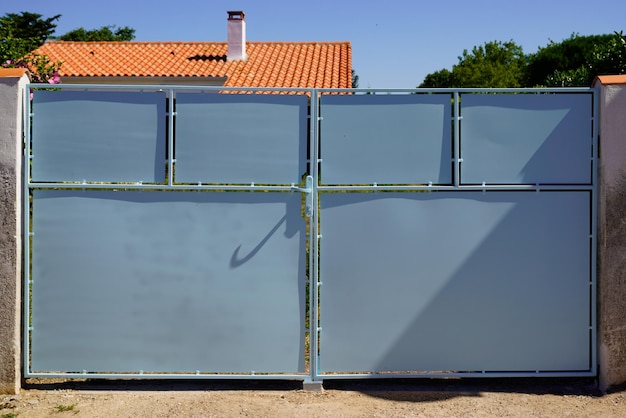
column 457, row 143
column 26, row 294
column 170, row 139
column 594, row 229
column 314, row 238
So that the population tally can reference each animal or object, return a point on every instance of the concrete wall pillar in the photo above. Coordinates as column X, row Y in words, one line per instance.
column 612, row 232
column 12, row 83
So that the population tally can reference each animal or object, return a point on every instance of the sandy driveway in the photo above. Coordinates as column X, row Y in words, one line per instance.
column 413, row 398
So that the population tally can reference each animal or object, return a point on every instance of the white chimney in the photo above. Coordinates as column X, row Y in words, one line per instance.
column 236, row 36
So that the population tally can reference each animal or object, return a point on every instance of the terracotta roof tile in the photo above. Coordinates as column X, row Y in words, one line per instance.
column 612, row 79
column 269, row 64
column 12, row 72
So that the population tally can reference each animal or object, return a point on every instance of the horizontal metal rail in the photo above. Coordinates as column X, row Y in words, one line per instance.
column 149, row 375
column 445, row 374
column 434, row 188
column 465, row 90
column 294, row 188
column 163, row 187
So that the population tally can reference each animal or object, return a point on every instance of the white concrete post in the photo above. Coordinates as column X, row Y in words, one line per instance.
column 612, row 232
column 12, row 83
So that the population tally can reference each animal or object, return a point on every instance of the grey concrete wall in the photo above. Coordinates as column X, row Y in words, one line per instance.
column 612, row 232
column 11, row 88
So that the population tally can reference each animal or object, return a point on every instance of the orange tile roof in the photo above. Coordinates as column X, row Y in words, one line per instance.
column 269, row 64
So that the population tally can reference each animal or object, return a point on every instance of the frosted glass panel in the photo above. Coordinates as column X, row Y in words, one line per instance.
column 459, row 281
column 166, row 281
column 228, row 138
column 98, row 136
column 522, row 138
column 391, row 139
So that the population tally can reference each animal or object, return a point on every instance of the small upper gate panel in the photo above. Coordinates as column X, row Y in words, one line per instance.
column 391, row 139
column 98, row 136
column 230, row 138
column 526, row 138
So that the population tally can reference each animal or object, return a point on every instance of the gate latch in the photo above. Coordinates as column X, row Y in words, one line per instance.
column 308, row 190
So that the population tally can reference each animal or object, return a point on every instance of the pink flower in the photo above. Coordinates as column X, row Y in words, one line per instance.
column 55, row 79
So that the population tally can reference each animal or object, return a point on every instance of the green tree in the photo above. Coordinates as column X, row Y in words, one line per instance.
column 563, row 60
column 105, row 33
column 27, row 26
column 579, row 77
column 607, row 56
column 494, row 64
column 12, row 49
column 441, row 78
column 610, row 57
column 355, row 80
column 20, row 34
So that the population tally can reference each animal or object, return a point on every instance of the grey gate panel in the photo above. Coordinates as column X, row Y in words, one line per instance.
column 98, row 136
column 455, row 281
column 167, row 282
column 386, row 139
column 225, row 138
column 526, row 138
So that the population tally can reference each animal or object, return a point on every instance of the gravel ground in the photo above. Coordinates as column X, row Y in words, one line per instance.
column 372, row 398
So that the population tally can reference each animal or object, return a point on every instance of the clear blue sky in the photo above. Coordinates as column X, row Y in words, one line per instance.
column 395, row 43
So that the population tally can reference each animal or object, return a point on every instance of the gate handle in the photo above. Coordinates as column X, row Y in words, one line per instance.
column 308, row 189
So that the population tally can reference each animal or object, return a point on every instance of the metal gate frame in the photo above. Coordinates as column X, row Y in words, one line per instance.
column 312, row 189
column 458, row 186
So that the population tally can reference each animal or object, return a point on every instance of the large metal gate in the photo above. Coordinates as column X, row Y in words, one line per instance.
column 193, row 233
